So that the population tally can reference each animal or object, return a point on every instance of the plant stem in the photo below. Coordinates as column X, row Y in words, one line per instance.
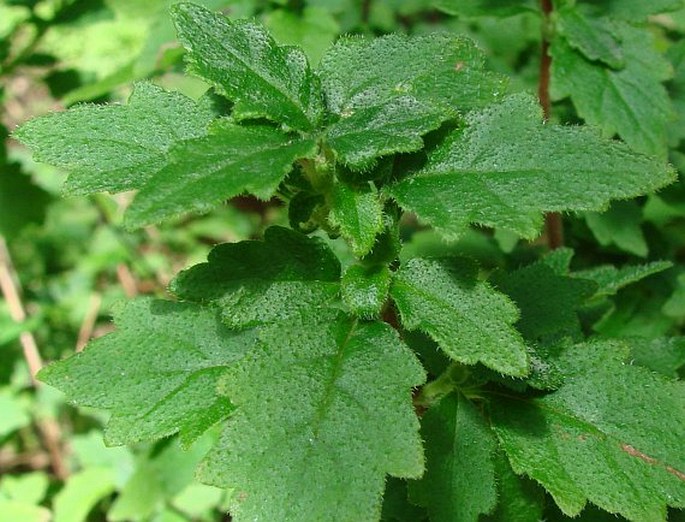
column 554, row 227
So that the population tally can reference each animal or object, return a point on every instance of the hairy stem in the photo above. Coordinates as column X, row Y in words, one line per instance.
column 554, row 227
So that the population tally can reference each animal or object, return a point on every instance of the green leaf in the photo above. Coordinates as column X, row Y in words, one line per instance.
column 518, row 498
column 387, row 92
column 358, row 213
column 611, row 435
column 591, row 35
column 665, row 355
column 157, row 372
column 470, row 320
column 547, row 301
column 630, row 102
column 396, row 506
column 620, row 225
column 485, row 7
column 16, row 190
column 115, row 147
column 232, row 159
column 635, row 10
column 365, row 289
column 504, row 168
column 256, row 282
column 459, row 483
column 611, row 279
column 323, row 414
column 242, row 61
column 81, row 493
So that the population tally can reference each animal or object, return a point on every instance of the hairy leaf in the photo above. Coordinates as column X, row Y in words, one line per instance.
column 358, row 212
column 242, row 60
column 323, row 414
column 665, row 355
column 232, row 159
column 116, row 147
column 630, row 102
column 593, row 36
column 459, row 483
column 611, row 279
column 470, row 320
column 611, row 435
column 157, row 373
column 504, row 168
column 257, row 282
column 365, row 289
column 620, row 225
column 389, row 91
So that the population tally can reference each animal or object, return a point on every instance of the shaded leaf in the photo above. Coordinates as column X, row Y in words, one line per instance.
column 256, row 282
column 470, row 320
column 610, row 279
column 358, row 212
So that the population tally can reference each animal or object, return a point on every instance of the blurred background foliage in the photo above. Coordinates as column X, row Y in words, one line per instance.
column 66, row 261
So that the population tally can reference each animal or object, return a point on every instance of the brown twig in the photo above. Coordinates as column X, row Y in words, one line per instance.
column 49, row 429
column 127, row 280
column 554, row 226
column 88, row 324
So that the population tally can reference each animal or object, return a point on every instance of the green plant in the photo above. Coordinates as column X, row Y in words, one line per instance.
column 318, row 356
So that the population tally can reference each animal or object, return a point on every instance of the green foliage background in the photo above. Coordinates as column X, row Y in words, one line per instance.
column 617, row 66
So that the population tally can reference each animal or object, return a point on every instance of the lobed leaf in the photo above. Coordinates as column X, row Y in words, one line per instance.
column 157, row 373
column 232, row 159
column 258, row 282
column 459, row 483
column 323, row 414
column 612, row 434
column 387, row 92
column 116, row 147
column 504, row 168
column 630, row 102
column 468, row 319
column 242, row 60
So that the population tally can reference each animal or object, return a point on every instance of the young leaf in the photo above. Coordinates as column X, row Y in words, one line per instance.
column 242, row 60
column 115, row 147
column 232, row 159
column 256, row 282
column 365, row 289
column 611, row 435
column 359, row 215
column 630, row 102
column 505, row 168
column 323, row 414
column 547, row 301
column 470, row 320
column 157, row 373
column 459, row 483
column 611, row 279
column 389, row 91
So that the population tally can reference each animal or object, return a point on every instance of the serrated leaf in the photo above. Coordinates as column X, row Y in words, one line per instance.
column 665, row 355
column 364, row 290
column 459, row 483
column 389, row 91
column 611, row 435
column 358, row 213
column 591, row 35
column 504, row 168
column 354, row 423
column 620, row 225
column 470, row 320
column 242, row 60
column 630, row 102
column 610, row 279
column 157, row 372
column 547, row 301
column 257, row 282
column 115, row 147
column 232, row 159
column 485, row 7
